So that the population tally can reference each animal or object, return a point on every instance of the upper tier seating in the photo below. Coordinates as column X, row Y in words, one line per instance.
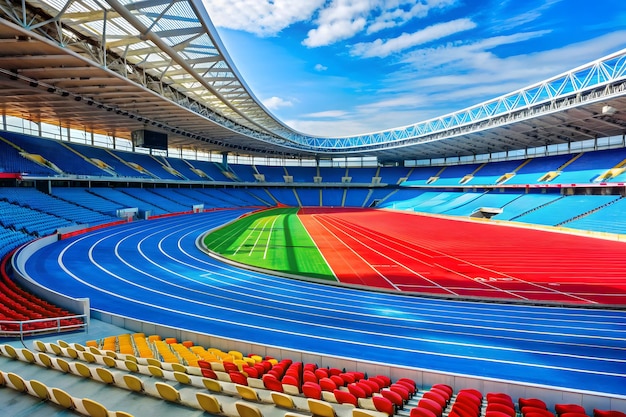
column 114, row 163
column 57, row 153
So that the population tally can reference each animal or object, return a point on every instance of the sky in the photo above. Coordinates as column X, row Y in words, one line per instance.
column 345, row 67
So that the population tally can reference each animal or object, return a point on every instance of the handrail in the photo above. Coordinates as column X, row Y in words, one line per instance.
column 10, row 328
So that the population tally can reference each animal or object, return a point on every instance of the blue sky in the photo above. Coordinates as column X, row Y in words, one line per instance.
column 344, row 67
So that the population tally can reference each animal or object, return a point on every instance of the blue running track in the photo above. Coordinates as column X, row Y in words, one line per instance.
column 153, row 271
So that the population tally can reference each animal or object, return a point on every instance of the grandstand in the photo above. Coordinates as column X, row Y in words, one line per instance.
column 111, row 303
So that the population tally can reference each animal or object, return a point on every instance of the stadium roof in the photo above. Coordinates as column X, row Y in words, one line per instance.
column 113, row 67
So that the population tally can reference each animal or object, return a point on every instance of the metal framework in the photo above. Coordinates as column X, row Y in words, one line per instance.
column 163, row 56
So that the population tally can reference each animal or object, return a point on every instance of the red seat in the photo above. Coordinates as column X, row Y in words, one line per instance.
column 334, row 371
column 569, row 408
column 444, row 393
column 503, row 408
column 501, row 400
column 409, row 380
column 431, row 405
column 272, row 383
column 421, row 412
column 309, row 376
column 473, row 392
column 394, row 397
column 496, row 414
column 208, row 373
column 312, row 390
column 230, row 367
column 412, row 389
column 385, row 379
column 204, row 364
column 502, row 395
column 348, row 378
column 356, row 390
column 338, row 380
column 574, row 415
column 466, row 409
column 435, row 396
column 401, row 389
column 607, row 413
column 345, row 397
column 327, row 384
column 238, row 378
column 250, row 371
column 526, row 411
column 380, row 382
column 367, row 388
column 468, row 397
column 291, row 380
column 384, row 405
column 531, row 402
column 321, row 373
column 444, row 387
column 373, row 385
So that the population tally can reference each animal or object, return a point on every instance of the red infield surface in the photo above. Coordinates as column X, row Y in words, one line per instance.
column 410, row 252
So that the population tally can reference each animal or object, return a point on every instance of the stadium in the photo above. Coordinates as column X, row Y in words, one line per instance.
column 170, row 247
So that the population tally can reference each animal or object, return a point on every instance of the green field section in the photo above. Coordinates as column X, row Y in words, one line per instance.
column 272, row 239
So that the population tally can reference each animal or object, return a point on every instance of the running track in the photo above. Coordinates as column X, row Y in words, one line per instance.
column 154, row 272
column 408, row 252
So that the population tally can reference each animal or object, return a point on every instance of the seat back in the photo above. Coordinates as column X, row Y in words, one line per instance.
column 247, row 410
column 94, row 408
column 282, row 400
column 167, row 392
column 209, row 403
column 321, row 408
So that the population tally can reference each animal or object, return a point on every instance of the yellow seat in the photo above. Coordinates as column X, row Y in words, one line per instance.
column 89, row 357
column 133, row 383
column 247, row 393
column 39, row 389
column 209, row 403
column 28, row 355
column 44, row 359
column 182, row 378
column 131, row 366
column 168, row 392
column 62, row 398
column 10, row 351
column 154, row 371
column 153, row 362
column 360, row 412
column 16, row 382
column 212, row 385
column 247, row 410
column 282, row 400
column 63, row 343
column 55, row 349
column 71, row 352
column 63, row 365
column 91, row 343
column 109, row 361
column 39, row 345
column 105, row 375
column 94, row 408
column 321, row 408
column 82, row 369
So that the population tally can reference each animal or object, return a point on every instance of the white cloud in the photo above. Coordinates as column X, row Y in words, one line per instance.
column 396, row 15
column 341, row 20
column 274, row 103
column 327, row 113
column 381, row 49
column 320, row 67
column 261, row 17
